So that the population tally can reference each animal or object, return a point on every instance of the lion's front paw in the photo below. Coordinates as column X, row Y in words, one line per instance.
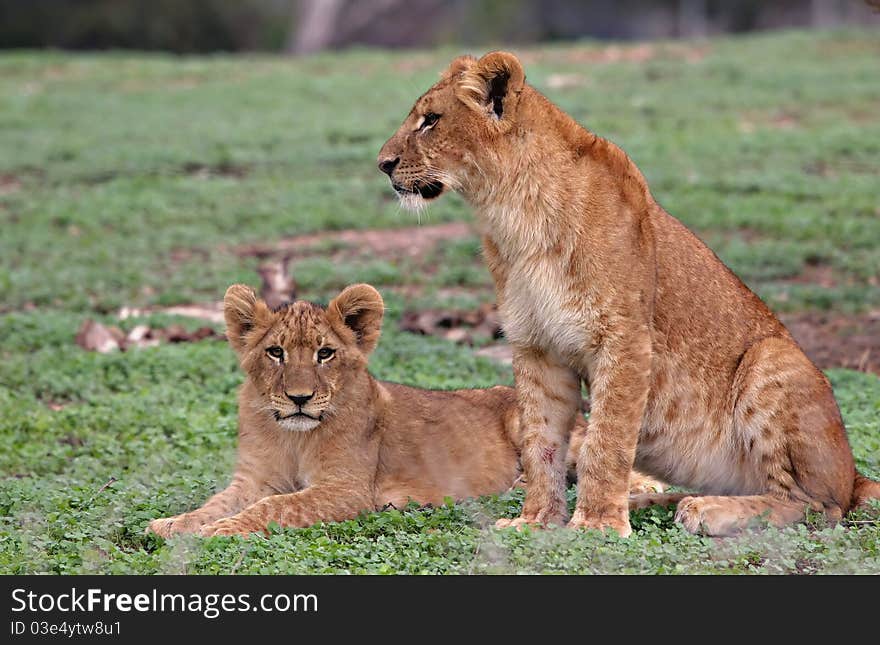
column 531, row 520
column 518, row 523
column 168, row 526
column 617, row 522
column 228, row 526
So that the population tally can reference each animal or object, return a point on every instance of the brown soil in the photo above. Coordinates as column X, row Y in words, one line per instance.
column 9, row 184
column 410, row 241
column 206, row 171
column 639, row 53
column 753, row 120
column 830, row 340
column 816, row 273
column 837, row 340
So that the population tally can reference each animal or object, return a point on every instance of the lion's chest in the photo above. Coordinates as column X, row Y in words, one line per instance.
column 540, row 310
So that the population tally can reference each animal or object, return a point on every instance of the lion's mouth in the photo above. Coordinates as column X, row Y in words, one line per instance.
column 297, row 415
column 427, row 190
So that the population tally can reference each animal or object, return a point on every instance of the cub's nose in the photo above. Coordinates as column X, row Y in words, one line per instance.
column 300, row 399
column 388, row 165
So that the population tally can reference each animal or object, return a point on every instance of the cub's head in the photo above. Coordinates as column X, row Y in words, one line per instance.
column 304, row 359
column 451, row 133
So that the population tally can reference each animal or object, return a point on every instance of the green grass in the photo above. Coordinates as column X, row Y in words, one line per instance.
column 128, row 180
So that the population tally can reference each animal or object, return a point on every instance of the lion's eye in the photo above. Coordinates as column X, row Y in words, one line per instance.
column 325, row 353
column 275, row 352
column 429, row 120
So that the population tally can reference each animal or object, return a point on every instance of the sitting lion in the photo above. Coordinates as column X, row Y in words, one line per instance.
column 692, row 378
column 321, row 440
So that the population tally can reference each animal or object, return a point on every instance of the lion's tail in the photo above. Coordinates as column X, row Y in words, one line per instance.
column 864, row 489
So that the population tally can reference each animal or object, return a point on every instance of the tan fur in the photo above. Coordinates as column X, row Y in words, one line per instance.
column 371, row 444
column 691, row 377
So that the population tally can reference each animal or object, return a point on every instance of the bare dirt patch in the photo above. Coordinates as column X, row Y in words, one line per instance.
column 816, row 273
column 834, row 169
column 279, row 285
column 837, row 340
column 566, row 81
column 638, row 53
column 829, row 339
column 862, row 115
column 416, row 63
column 750, row 121
column 410, row 241
column 9, row 184
column 96, row 337
column 224, row 170
column 208, row 171
column 209, row 311
column 454, row 324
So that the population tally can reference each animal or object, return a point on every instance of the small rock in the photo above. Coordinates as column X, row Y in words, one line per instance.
column 457, row 335
column 95, row 337
column 138, row 334
column 278, row 287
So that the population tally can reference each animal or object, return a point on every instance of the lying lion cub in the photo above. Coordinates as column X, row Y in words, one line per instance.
column 321, row 440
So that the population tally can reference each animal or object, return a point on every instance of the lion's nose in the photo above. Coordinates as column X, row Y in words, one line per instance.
column 300, row 399
column 388, row 165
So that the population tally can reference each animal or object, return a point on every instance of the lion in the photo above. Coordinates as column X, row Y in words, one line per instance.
column 321, row 440
column 692, row 378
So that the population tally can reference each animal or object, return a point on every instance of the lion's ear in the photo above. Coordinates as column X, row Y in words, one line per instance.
column 360, row 308
column 243, row 313
column 457, row 66
column 493, row 83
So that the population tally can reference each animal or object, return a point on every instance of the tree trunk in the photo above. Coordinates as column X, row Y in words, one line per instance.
column 693, row 18
column 314, row 25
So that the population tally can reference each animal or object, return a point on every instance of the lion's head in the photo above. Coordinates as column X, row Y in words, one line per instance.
column 454, row 129
column 301, row 357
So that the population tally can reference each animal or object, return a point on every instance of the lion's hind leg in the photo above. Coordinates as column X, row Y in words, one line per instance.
column 864, row 491
column 723, row 516
column 644, row 500
column 789, row 444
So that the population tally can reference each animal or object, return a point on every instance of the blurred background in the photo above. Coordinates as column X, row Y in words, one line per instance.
column 306, row 26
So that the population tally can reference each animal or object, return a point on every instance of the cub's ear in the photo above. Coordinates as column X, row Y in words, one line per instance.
column 457, row 66
column 360, row 309
column 244, row 313
column 493, row 84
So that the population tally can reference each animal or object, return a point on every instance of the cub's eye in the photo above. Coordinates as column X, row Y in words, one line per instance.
column 325, row 353
column 275, row 352
column 429, row 120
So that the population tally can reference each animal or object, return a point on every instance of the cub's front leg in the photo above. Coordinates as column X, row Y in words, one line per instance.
column 239, row 494
column 618, row 395
column 318, row 503
column 549, row 395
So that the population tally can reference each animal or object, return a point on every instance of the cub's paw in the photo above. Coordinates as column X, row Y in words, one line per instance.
column 642, row 484
column 518, row 523
column 617, row 522
column 168, row 526
column 228, row 526
column 538, row 521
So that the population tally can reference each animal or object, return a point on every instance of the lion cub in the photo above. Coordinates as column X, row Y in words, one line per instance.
column 692, row 378
column 321, row 440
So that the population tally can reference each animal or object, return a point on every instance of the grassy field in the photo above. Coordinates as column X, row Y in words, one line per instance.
column 137, row 180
